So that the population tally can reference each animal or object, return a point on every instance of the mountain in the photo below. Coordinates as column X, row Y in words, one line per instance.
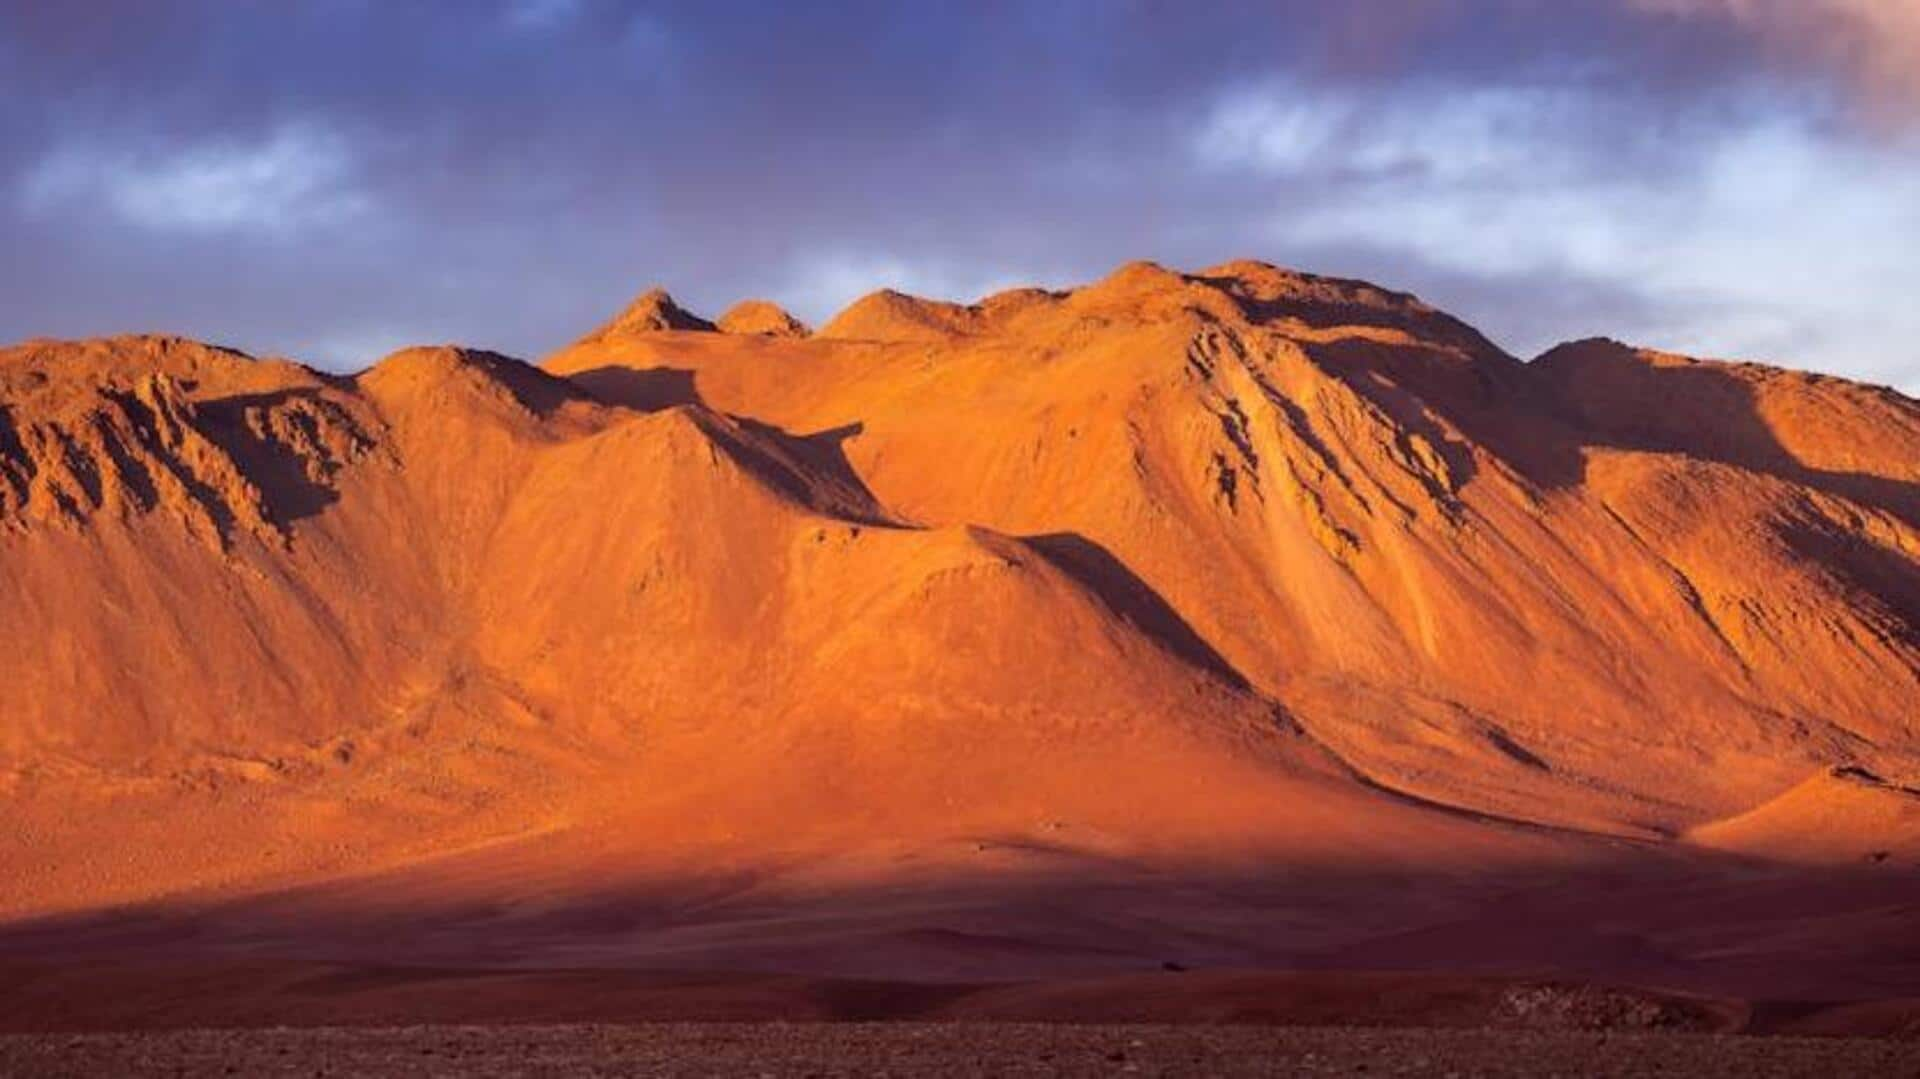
column 1246, row 616
column 760, row 317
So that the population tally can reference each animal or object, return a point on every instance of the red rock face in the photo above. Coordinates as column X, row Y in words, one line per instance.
column 1243, row 567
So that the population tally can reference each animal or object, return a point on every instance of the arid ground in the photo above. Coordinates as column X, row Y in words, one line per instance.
column 811, row 1049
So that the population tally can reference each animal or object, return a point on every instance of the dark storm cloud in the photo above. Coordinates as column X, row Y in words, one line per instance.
column 333, row 179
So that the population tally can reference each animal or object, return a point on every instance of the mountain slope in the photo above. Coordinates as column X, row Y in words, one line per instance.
column 1236, row 600
column 498, row 607
column 1382, row 521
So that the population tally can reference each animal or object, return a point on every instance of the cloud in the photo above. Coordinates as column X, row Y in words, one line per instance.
column 541, row 14
column 509, row 173
column 295, row 178
column 355, row 348
column 1875, row 44
column 1481, row 134
column 818, row 286
column 1764, row 239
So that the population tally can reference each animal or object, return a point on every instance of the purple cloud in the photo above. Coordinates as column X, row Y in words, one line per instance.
column 330, row 180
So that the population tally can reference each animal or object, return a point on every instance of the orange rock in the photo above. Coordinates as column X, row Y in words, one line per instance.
column 1243, row 566
column 761, row 317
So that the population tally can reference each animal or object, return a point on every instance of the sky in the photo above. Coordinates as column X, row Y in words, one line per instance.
column 333, row 179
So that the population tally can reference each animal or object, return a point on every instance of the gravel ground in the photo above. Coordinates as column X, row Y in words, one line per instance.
column 844, row 1049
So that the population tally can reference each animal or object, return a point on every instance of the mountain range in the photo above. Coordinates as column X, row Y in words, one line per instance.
column 1240, row 620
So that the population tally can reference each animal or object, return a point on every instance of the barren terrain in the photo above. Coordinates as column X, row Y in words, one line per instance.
column 1232, row 624
column 789, row 1049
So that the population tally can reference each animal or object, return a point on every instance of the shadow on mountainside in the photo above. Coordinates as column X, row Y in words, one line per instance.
column 813, row 469
column 1133, row 600
column 1541, row 417
column 646, row 390
column 538, row 392
column 289, row 443
column 1612, row 397
column 1387, row 310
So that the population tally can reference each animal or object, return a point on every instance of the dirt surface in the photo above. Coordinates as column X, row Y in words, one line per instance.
column 778, row 1049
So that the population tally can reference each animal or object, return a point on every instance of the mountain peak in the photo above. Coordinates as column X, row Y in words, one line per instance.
column 431, row 372
column 891, row 315
column 653, row 311
column 1141, row 275
column 763, row 318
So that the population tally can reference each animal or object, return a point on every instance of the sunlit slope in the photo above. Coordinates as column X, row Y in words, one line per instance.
column 1481, row 580
column 1238, row 567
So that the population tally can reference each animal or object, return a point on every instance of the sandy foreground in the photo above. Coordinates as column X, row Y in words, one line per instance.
column 781, row 1049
